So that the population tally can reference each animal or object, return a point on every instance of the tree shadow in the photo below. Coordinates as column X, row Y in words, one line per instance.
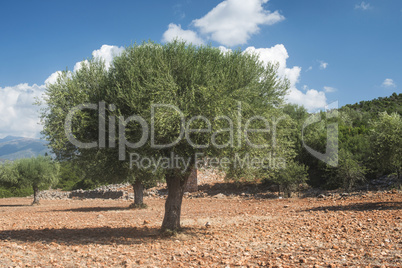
column 93, row 209
column 99, row 235
column 361, row 207
column 27, row 205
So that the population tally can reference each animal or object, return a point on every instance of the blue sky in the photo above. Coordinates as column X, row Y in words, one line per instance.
column 343, row 50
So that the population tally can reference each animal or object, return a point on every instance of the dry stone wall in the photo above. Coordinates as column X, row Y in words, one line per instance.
column 104, row 192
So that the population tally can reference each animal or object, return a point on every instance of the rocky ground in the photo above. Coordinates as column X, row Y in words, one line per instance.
column 331, row 230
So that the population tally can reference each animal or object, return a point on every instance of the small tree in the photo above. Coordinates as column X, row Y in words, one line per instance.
column 38, row 172
column 140, row 179
column 291, row 177
column 386, row 140
column 349, row 171
column 103, row 166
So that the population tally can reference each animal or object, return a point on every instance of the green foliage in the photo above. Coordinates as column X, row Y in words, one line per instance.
column 391, row 104
column 203, row 81
column 91, row 84
column 27, row 175
column 315, row 136
column 8, row 174
column 9, row 182
column 6, row 192
column 86, row 184
column 348, row 173
column 365, row 149
column 296, row 112
column 289, row 178
column 196, row 80
column 386, row 140
column 70, row 176
column 38, row 171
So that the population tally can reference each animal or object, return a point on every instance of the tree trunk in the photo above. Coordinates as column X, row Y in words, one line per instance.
column 175, row 185
column 36, row 195
column 138, row 193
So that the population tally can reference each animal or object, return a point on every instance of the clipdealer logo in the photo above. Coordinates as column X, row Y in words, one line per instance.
column 236, row 136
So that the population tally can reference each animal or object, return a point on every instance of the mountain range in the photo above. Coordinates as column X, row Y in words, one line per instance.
column 12, row 148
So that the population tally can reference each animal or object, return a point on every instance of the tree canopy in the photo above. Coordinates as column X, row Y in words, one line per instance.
column 164, row 101
column 37, row 172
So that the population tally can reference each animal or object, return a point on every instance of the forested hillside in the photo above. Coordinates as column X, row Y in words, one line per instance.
column 389, row 104
column 369, row 142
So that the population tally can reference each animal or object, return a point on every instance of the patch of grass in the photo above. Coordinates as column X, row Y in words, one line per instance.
column 138, row 206
column 15, row 192
column 169, row 233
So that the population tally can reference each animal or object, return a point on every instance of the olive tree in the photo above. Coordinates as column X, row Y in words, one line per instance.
column 37, row 172
column 103, row 166
column 166, row 106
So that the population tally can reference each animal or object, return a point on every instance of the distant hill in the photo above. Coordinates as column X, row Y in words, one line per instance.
column 12, row 148
column 389, row 104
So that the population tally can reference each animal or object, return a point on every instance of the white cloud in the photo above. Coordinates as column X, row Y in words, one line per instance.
column 175, row 31
column 388, row 83
column 79, row 64
column 224, row 50
column 232, row 22
column 19, row 117
column 52, row 78
column 329, row 89
column 363, row 6
column 107, row 53
column 311, row 99
column 309, row 68
column 323, row 65
column 278, row 54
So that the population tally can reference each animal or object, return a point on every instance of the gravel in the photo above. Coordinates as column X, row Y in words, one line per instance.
column 355, row 230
